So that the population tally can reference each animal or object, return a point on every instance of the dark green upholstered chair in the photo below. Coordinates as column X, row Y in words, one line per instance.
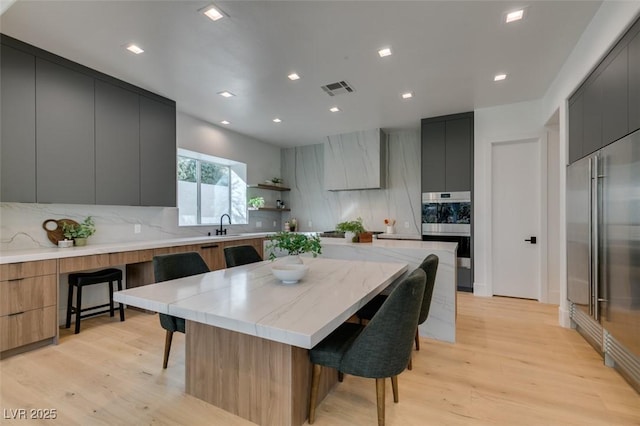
column 378, row 350
column 241, row 255
column 169, row 267
column 430, row 266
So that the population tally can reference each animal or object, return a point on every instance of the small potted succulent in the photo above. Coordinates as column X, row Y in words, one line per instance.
column 80, row 232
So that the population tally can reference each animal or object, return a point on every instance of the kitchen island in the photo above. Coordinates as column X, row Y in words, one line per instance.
column 247, row 334
column 441, row 323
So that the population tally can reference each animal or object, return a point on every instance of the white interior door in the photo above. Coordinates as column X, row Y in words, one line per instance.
column 515, row 205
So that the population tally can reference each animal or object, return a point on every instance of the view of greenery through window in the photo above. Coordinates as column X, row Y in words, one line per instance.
column 204, row 191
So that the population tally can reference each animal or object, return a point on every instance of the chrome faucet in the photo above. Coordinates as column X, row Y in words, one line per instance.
column 223, row 231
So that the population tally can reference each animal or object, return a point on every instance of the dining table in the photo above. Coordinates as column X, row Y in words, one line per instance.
column 248, row 334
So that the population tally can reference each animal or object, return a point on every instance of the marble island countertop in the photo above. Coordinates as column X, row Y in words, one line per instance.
column 43, row 253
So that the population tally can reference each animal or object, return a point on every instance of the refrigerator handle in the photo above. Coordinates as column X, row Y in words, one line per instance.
column 596, row 234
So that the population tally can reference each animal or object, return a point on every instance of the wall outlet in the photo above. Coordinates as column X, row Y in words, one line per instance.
column 137, row 228
column 258, row 224
column 406, row 225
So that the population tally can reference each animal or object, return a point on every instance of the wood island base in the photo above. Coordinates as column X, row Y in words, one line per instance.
column 263, row 381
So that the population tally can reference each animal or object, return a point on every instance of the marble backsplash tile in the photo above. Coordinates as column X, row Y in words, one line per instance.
column 400, row 200
column 21, row 223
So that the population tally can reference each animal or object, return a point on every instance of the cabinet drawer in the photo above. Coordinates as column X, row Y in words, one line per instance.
column 128, row 257
column 28, row 327
column 12, row 271
column 176, row 249
column 25, row 294
column 83, row 263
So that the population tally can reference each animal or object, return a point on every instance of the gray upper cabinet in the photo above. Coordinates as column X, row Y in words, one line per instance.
column 634, row 83
column 117, row 114
column 458, row 160
column 433, row 156
column 65, row 135
column 18, row 148
column 576, row 127
column 592, row 116
column 615, row 103
column 158, row 155
column 447, row 153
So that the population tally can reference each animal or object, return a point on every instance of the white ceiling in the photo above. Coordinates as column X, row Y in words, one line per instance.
column 445, row 52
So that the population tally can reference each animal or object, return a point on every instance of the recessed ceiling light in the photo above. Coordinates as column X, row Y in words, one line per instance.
column 407, row 95
column 135, row 49
column 499, row 77
column 384, row 52
column 516, row 15
column 293, row 76
column 277, row 120
column 225, row 122
column 334, row 109
column 226, row 94
column 213, row 13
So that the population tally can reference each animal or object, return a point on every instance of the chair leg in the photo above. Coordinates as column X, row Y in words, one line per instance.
column 167, row 348
column 380, row 400
column 120, row 306
column 340, row 376
column 69, row 304
column 410, row 365
column 394, row 386
column 417, row 340
column 315, row 383
column 78, row 308
column 111, row 308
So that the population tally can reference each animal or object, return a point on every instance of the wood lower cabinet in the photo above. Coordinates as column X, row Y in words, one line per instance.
column 29, row 303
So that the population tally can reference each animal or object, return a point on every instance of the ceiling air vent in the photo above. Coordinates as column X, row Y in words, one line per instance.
column 338, row 88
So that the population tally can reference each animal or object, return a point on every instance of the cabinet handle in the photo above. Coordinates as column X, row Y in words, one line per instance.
column 16, row 279
column 17, row 313
column 210, row 247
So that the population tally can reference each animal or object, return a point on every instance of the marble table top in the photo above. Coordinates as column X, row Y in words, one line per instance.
column 249, row 299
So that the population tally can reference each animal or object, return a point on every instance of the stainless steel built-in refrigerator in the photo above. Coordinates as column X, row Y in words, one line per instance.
column 603, row 252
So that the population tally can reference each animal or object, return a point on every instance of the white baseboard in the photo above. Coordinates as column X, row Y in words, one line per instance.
column 564, row 318
column 481, row 290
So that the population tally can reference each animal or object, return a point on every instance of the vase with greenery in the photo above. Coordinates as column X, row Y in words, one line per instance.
column 80, row 232
column 352, row 229
column 293, row 244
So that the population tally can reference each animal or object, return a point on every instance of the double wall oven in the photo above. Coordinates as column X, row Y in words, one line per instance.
column 446, row 216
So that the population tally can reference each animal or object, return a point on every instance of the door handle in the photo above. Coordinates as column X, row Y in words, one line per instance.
column 532, row 240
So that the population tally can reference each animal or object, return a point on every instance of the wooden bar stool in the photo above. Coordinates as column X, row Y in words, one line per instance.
column 81, row 279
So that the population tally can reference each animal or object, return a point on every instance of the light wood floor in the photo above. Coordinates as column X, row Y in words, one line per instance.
column 512, row 365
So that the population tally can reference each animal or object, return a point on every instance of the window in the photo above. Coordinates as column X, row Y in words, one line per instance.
column 209, row 187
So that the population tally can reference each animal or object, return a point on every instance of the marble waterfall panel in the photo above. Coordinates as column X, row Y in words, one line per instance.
column 400, row 200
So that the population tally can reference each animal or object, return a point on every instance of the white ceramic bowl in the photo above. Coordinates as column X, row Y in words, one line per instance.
column 289, row 273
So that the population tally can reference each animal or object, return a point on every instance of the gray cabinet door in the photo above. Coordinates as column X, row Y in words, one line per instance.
column 634, row 84
column 576, row 127
column 458, row 155
column 117, row 116
column 592, row 116
column 65, row 135
column 18, row 148
column 615, row 91
column 157, row 153
column 433, row 156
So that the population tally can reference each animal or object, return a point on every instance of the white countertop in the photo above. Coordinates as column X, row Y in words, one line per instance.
column 399, row 237
column 12, row 256
column 250, row 300
column 395, row 244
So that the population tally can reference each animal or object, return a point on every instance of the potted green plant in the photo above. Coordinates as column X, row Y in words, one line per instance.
column 276, row 181
column 293, row 244
column 80, row 232
column 352, row 229
column 256, row 202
